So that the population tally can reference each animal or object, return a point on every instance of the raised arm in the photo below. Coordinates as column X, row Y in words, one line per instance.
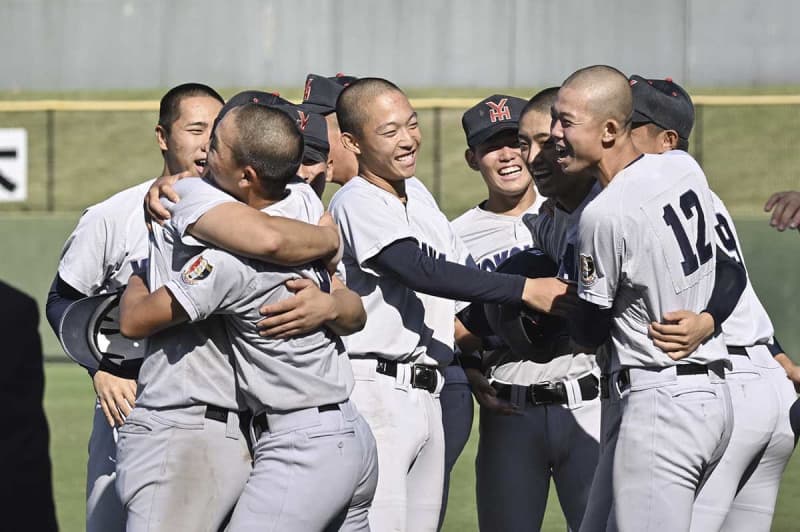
column 248, row 232
column 143, row 313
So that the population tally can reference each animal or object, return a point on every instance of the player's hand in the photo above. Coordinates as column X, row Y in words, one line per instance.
column 162, row 187
column 794, row 376
column 304, row 312
column 550, row 295
column 117, row 396
column 486, row 395
column 333, row 261
column 681, row 332
column 786, row 211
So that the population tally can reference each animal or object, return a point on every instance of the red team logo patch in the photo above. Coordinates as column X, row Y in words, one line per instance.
column 196, row 271
column 499, row 111
column 307, row 90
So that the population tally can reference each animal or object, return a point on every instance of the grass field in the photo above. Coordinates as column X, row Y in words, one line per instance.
column 69, row 403
column 747, row 153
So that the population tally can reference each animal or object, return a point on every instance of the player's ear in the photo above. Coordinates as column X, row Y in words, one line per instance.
column 472, row 160
column 611, row 130
column 249, row 177
column 669, row 139
column 329, row 171
column 161, row 137
column 351, row 143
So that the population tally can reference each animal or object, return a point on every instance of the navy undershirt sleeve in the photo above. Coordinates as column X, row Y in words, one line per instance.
column 406, row 262
column 729, row 282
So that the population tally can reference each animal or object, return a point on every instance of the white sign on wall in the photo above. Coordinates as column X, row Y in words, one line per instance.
column 13, row 165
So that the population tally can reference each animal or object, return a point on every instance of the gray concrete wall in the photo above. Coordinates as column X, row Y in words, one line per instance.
column 99, row 44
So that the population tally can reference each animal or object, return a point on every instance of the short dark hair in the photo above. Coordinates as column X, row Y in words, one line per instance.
column 541, row 102
column 270, row 142
column 169, row 109
column 350, row 104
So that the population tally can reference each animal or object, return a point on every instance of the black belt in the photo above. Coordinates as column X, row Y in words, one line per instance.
column 217, row 413
column 737, row 350
column 422, row 377
column 260, row 423
column 624, row 376
column 550, row 393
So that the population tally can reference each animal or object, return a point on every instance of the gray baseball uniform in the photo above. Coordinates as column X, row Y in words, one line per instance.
column 314, row 467
column 108, row 244
column 646, row 246
column 402, row 326
column 517, row 455
column 741, row 492
column 182, row 457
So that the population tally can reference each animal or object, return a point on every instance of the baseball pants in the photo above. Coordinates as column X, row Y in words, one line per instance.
column 104, row 512
column 407, row 425
column 755, row 415
column 754, row 505
column 178, row 470
column 673, row 431
column 518, row 455
column 457, row 412
column 598, row 506
column 314, row 470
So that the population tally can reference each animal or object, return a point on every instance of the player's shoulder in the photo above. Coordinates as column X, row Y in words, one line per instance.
column 124, row 201
column 462, row 223
column 356, row 193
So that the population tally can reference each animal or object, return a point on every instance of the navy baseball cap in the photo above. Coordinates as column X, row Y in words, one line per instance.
column 491, row 116
column 664, row 103
column 90, row 334
column 314, row 129
column 245, row 97
column 320, row 92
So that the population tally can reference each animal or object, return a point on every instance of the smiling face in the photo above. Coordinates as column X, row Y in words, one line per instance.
column 389, row 138
column 578, row 135
column 184, row 142
column 500, row 163
column 534, row 135
column 223, row 169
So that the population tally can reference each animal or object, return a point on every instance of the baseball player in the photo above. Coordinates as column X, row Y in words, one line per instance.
column 116, row 228
column 741, row 492
column 403, row 258
column 529, row 432
column 319, row 96
column 645, row 249
column 315, row 169
column 785, row 207
column 315, row 464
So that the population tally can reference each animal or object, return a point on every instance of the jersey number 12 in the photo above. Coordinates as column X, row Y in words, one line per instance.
column 702, row 251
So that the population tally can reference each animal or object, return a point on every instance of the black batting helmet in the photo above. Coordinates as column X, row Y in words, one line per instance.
column 530, row 335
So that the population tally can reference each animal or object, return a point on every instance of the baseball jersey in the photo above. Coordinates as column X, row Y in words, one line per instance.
column 749, row 323
column 108, row 244
column 492, row 238
column 401, row 324
column 646, row 246
column 190, row 363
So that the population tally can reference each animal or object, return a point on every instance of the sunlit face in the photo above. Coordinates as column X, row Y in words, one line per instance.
column 314, row 173
column 222, row 166
column 343, row 162
column 540, row 154
column 184, row 145
column 578, row 135
column 501, row 165
column 390, row 138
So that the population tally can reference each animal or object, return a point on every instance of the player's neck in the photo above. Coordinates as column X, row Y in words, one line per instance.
column 615, row 160
column 396, row 188
column 510, row 205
